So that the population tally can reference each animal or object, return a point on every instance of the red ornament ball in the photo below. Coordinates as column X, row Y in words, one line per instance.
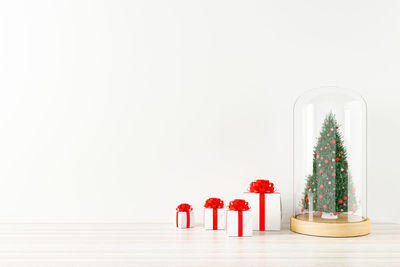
column 308, row 186
column 337, row 159
column 306, row 199
column 321, row 196
column 335, row 213
column 344, row 198
column 319, row 214
column 333, row 174
column 321, row 186
column 333, row 142
column 326, row 161
column 302, row 210
column 325, row 206
column 321, row 171
column 340, row 201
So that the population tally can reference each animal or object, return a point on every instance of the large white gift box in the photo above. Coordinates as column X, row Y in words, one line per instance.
column 214, row 219
column 266, row 209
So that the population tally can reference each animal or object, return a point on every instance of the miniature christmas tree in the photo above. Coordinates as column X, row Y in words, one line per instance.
column 329, row 189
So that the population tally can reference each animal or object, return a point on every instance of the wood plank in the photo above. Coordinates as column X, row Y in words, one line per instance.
column 164, row 245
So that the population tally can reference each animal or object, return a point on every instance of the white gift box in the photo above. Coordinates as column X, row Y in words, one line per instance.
column 232, row 223
column 273, row 210
column 209, row 219
column 182, row 219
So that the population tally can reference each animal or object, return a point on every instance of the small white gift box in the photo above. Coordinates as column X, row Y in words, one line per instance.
column 214, row 219
column 239, row 219
column 236, row 226
column 184, row 216
column 214, row 214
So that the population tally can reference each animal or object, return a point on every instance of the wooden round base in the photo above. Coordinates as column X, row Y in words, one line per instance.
column 343, row 226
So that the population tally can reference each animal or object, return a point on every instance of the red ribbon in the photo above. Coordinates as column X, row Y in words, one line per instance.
column 214, row 203
column 262, row 212
column 184, row 207
column 239, row 205
column 262, row 187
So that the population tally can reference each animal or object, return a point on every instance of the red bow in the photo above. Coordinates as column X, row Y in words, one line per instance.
column 262, row 186
column 184, row 207
column 239, row 205
column 214, row 203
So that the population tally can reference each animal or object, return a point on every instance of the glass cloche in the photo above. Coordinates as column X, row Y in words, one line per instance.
column 330, row 169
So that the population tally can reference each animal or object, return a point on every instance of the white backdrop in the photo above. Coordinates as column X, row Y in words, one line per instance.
column 117, row 111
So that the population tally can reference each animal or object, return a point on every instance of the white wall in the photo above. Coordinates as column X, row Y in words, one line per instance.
column 119, row 110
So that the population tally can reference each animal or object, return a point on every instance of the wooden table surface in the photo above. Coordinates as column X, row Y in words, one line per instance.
column 164, row 245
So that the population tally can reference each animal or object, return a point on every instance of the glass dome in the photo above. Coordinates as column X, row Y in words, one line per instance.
column 329, row 159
